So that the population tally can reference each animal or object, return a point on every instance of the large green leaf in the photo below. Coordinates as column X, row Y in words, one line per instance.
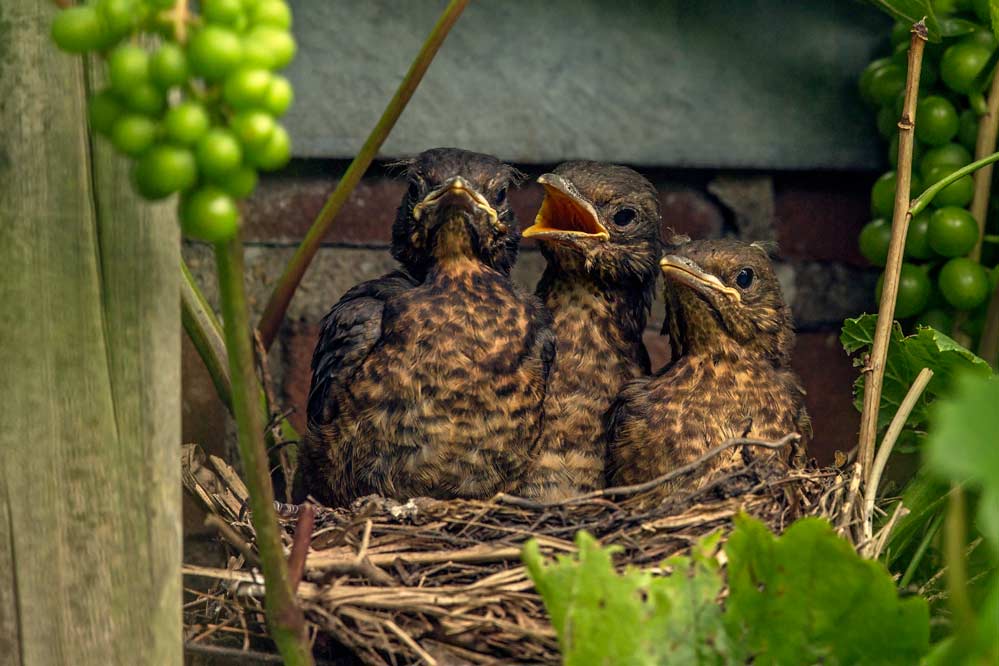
column 603, row 617
column 911, row 11
column 807, row 598
column 962, row 444
column 907, row 355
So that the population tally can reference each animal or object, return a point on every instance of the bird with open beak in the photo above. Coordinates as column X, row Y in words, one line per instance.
column 599, row 230
column 731, row 377
column 430, row 381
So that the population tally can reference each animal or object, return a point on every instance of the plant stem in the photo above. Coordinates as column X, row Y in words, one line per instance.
column 988, row 346
column 917, row 557
column 205, row 332
column 926, row 198
column 988, row 127
column 899, row 227
column 284, row 617
column 957, row 566
column 281, row 297
column 888, row 443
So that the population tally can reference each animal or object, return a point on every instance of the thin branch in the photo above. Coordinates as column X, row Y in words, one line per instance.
column 957, row 564
column 234, row 540
column 888, row 443
column 988, row 127
column 300, row 545
column 654, row 483
column 893, row 266
column 977, row 167
column 284, row 618
column 205, row 332
column 270, row 320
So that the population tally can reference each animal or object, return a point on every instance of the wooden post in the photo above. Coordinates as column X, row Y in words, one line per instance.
column 90, row 525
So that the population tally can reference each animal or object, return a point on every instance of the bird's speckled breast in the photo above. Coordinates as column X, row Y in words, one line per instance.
column 593, row 361
column 698, row 404
column 449, row 401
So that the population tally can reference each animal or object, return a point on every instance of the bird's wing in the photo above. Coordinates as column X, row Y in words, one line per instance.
column 624, row 423
column 346, row 336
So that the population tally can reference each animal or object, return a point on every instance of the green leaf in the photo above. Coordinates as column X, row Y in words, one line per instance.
column 994, row 12
column 907, row 355
column 807, row 598
column 962, row 444
column 911, row 11
column 603, row 617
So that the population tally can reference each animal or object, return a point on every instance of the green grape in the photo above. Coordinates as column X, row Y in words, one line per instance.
column 186, row 123
column 120, row 17
column 271, row 12
column 914, row 289
column 214, row 51
column 917, row 245
column 269, row 47
column 936, row 120
column 128, row 68
column 936, row 318
column 280, row 96
column 103, row 109
column 967, row 132
column 163, row 170
column 168, row 66
column 958, row 193
column 874, row 240
column 209, row 214
column 275, row 153
column 240, row 183
column 961, row 65
column 219, row 153
column 963, row 283
column 952, row 154
column 254, row 128
column 887, row 122
column 246, row 88
column 133, row 134
column 952, row 232
column 145, row 98
column 222, row 12
column 78, row 29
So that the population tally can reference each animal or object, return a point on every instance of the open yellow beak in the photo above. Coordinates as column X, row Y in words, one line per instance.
column 564, row 213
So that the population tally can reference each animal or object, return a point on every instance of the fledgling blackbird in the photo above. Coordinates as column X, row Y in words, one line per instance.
column 430, row 381
column 599, row 228
column 732, row 377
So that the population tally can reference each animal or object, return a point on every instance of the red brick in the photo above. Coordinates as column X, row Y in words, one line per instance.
column 299, row 342
column 828, row 375
column 820, row 216
column 688, row 211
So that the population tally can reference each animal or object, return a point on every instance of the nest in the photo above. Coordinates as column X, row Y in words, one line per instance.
column 432, row 581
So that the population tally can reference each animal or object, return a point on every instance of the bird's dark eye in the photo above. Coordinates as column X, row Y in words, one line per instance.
column 624, row 217
column 744, row 278
column 501, row 196
column 414, row 190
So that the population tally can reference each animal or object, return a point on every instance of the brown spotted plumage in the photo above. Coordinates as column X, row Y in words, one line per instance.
column 599, row 229
column 732, row 374
column 430, row 381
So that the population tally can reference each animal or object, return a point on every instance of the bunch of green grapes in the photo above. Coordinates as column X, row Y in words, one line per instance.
column 197, row 112
column 940, row 285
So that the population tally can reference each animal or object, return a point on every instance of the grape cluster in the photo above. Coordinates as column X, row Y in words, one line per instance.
column 938, row 280
column 198, row 111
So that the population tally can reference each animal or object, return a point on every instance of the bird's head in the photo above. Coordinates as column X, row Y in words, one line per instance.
column 725, row 291
column 602, row 220
column 456, row 203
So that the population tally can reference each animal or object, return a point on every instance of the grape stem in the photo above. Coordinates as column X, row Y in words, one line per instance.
column 988, row 127
column 926, row 198
column 284, row 617
column 277, row 305
column 900, row 223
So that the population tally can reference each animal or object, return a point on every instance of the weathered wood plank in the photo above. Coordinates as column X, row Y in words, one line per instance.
column 90, row 360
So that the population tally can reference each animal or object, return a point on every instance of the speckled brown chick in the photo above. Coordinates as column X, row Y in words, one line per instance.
column 430, row 381
column 732, row 376
column 599, row 229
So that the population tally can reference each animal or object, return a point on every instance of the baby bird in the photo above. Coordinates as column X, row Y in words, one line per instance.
column 732, row 377
column 430, row 381
column 599, row 229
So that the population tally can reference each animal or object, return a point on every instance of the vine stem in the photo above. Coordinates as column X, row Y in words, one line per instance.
column 893, row 266
column 277, row 305
column 888, row 443
column 957, row 566
column 988, row 127
column 926, row 198
column 284, row 618
column 205, row 332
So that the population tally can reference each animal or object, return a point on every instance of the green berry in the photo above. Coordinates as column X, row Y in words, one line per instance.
column 268, row 47
column 168, row 66
column 246, row 88
column 128, row 68
column 214, row 51
column 222, row 12
column 186, row 123
column 145, row 98
column 209, row 214
column 275, row 153
column 163, row 170
column 240, row 183
column 279, row 97
column 78, row 29
column 103, row 109
column 271, row 12
column 254, row 128
column 133, row 134
column 219, row 153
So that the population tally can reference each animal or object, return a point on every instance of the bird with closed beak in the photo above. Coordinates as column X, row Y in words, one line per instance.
column 599, row 230
column 430, row 381
column 731, row 377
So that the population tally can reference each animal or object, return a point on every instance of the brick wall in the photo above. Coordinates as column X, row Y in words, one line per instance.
column 814, row 217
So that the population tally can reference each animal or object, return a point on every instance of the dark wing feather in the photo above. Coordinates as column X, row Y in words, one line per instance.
column 346, row 336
